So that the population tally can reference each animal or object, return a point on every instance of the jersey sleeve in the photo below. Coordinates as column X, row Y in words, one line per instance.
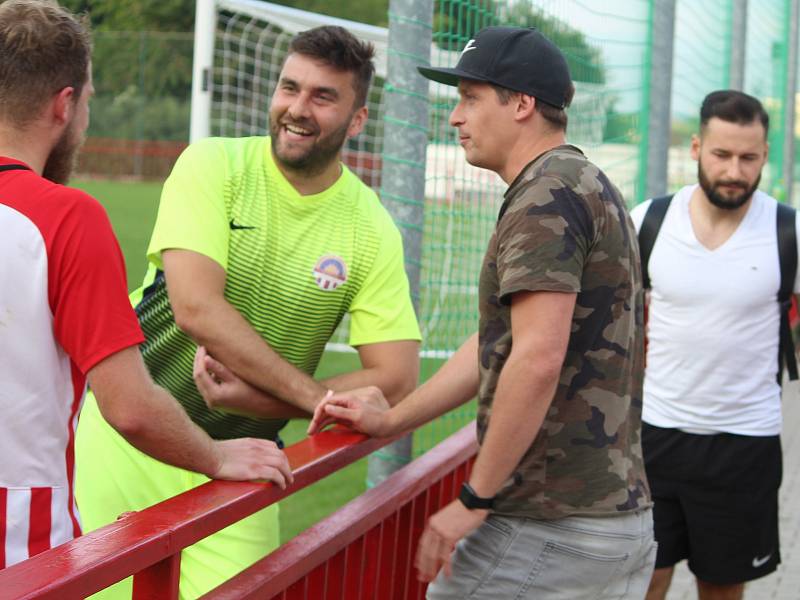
column 543, row 240
column 92, row 317
column 382, row 310
column 191, row 214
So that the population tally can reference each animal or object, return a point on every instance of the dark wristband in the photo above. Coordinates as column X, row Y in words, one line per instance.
column 471, row 500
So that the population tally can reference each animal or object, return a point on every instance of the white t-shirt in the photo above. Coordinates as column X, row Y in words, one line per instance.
column 713, row 324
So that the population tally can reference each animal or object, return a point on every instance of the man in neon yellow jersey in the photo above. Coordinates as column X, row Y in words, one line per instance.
column 260, row 247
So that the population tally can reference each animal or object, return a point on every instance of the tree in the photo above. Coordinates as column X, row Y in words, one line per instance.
column 136, row 15
column 371, row 12
column 142, row 66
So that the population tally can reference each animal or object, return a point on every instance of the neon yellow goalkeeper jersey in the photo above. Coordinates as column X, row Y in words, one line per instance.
column 294, row 266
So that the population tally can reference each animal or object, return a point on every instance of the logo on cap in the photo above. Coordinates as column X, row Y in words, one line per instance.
column 330, row 272
column 470, row 46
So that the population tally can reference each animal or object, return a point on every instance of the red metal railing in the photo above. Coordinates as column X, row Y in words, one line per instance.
column 148, row 544
column 366, row 549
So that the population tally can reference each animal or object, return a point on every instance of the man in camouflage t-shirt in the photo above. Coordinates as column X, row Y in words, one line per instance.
column 564, row 228
column 557, row 504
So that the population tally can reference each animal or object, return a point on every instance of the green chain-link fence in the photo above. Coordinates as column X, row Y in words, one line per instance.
column 609, row 47
column 606, row 49
column 143, row 83
column 765, row 77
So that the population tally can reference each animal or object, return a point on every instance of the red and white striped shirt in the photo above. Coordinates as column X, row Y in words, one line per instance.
column 63, row 309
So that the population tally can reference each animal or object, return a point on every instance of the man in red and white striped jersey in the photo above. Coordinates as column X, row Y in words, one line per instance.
column 65, row 317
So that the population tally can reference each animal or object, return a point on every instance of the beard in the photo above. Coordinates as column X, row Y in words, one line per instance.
column 716, row 198
column 63, row 158
column 317, row 157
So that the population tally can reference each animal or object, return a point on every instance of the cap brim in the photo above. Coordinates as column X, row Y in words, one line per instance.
column 448, row 76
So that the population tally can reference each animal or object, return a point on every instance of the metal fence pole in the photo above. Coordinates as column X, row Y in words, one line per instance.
column 405, row 138
column 205, row 22
column 660, row 96
column 738, row 44
column 138, row 152
column 789, row 101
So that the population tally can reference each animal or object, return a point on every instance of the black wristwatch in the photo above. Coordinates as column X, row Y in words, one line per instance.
column 471, row 500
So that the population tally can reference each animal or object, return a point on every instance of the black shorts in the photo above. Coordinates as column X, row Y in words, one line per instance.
column 715, row 502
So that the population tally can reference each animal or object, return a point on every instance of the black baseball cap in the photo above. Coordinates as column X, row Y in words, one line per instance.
column 518, row 58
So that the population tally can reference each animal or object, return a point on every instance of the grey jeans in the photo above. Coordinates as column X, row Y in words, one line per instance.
column 574, row 558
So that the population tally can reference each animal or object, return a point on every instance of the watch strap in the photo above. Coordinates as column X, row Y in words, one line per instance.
column 471, row 500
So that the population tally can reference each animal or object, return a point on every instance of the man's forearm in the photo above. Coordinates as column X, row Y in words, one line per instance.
column 393, row 367
column 231, row 339
column 172, row 437
column 454, row 384
column 258, row 403
column 264, row 406
column 524, row 393
column 147, row 416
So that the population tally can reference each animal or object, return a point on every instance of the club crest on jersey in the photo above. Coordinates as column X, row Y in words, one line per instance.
column 330, row 272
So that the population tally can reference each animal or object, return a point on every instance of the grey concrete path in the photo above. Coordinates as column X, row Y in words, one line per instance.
column 784, row 583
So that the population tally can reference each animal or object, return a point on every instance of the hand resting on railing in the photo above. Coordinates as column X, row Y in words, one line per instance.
column 364, row 409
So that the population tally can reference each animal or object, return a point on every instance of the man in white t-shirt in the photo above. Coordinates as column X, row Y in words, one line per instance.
column 712, row 413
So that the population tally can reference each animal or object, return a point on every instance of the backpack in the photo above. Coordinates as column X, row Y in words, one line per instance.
column 787, row 257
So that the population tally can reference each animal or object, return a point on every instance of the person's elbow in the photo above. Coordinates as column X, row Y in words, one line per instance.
column 122, row 387
column 406, row 383
column 543, row 366
column 124, row 414
column 191, row 315
column 404, row 380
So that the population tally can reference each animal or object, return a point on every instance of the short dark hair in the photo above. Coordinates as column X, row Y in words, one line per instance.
column 734, row 107
column 44, row 48
column 342, row 50
column 552, row 114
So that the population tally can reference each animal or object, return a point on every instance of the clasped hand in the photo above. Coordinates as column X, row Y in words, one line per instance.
column 364, row 409
column 220, row 387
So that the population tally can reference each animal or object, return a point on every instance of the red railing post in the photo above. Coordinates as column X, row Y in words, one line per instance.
column 160, row 581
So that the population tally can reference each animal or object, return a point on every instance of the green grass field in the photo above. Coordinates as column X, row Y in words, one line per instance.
column 132, row 209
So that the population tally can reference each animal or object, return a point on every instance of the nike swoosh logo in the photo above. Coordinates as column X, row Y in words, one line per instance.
column 760, row 562
column 470, row 46
column 235, row 225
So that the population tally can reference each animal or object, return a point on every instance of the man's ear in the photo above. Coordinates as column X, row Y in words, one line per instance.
column 526, row 106
column 695, row 147
column 62, row 106
column 357, row 122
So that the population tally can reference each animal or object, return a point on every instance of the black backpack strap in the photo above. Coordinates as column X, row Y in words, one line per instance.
column 787, row 256
column 648, row 232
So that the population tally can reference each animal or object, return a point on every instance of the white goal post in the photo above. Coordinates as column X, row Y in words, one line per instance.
column 248, row 33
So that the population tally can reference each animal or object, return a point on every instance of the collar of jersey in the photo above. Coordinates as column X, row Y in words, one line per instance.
column 7, row 160
column 290, row 192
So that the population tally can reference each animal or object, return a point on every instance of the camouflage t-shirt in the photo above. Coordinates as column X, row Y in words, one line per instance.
column 564, row 227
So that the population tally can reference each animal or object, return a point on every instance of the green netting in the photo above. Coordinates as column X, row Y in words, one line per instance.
column 143, row 85
column 606, row 47
column 766, row 67
column 610, row 50
column 701, row 64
